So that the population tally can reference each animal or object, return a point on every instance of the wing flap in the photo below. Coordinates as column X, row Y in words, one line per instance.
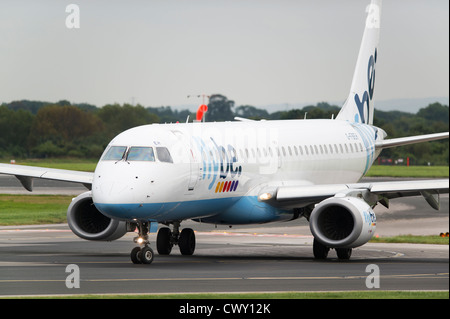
column 300, row 196
column 308, row 193
column 410, row 187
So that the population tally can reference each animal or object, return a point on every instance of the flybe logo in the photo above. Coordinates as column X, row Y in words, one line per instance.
column 366, row 99
column 370, row 218
column 219, row 164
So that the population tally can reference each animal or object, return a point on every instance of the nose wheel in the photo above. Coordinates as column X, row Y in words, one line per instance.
column 144, row 254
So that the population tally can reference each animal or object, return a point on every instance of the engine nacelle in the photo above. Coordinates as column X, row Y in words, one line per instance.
column 343, row 222
column 86, row 221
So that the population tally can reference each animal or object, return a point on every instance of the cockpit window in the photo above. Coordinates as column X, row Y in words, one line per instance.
column 115, row 153
column 164, row 155
column 141, row 154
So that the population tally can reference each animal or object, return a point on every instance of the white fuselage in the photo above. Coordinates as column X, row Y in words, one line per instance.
column 215, row 171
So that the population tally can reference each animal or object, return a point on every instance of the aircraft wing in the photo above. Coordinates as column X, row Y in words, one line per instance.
column 411, row 140
column 372, row 193
column 25, row 175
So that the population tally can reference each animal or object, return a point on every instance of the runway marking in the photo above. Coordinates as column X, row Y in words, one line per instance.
column 35, row 231
column 213, row 233
column 419, row 276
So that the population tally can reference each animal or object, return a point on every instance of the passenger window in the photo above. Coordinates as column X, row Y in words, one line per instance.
column 164, row 155
column 115, row 153
column 141, row 154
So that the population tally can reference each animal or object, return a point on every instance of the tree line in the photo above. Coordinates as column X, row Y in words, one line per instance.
column 36, row 129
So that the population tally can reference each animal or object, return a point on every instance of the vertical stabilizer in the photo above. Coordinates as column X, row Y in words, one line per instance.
column 359, row 105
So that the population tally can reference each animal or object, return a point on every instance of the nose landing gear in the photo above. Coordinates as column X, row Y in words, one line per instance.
column 145, row 254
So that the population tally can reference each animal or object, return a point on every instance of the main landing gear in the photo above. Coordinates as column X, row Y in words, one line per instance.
column 321, row 251
column 165, row 241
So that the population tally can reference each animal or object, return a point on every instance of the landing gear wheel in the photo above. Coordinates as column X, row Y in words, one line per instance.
column 146, row 255
column 344, row 253
column 135, row 255
column 320, row 250
column 186, row 242
column 163, row 241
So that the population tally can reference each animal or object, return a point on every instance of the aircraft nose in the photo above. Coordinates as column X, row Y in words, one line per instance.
column 122, row 184
column 112, row 184
column 128, row 190
column 111, row 189
column 116, row 196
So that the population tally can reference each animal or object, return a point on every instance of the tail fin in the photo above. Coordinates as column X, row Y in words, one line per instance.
column 359, row 105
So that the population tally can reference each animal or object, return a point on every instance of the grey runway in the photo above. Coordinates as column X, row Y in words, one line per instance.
column 262, row 258
column 33, row 261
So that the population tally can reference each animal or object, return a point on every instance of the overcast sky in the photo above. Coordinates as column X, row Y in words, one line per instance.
column 255, row 52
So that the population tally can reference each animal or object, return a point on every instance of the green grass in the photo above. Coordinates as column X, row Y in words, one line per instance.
column 408, row 171
column 86, row 165
column 70, row 164
column 377, row 294
column 410, row 239
column 33, row 209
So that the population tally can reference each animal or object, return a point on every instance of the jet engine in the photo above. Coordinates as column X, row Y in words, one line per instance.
column 343, row 222
column 87, row 222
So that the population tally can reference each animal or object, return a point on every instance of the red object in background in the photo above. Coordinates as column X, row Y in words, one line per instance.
column 201, row 110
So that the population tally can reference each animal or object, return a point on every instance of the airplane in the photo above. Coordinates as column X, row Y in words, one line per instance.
column 244, row 172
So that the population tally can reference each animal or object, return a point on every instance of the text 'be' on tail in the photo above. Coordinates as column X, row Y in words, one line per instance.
column 359, row 105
